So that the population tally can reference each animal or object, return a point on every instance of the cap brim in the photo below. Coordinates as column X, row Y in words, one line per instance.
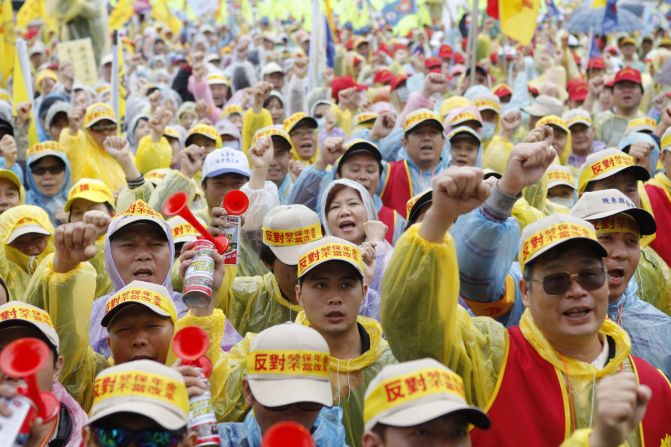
column 278, row 392
column 105, row 118
column 598, row 248
column 164, row 417
column 354, row 265
column 305, row 120
column 91, row 196
column 10, row 176
column 646, row 223
column 427, row 121
column 534, row 111
column 288, row 255
column 560, row 183
column 109, row 316
column 51, row 338
column 27, row 229
column 639, row 172
column 580, row 121
column 426, row 411
column 223, row 171
column 136, row 219
column 41, row 155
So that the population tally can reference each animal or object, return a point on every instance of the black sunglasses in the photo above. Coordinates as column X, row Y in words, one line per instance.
column 103, row 128
column 120, row 437
column 53, row 170
column 559, row 283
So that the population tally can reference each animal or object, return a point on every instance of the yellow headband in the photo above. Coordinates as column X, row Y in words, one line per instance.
column 47, row 146
column 19, row 312
column 140, row 208
column 141, row 296
column 619, row 223
column 295, row 236
column 289, row 363
column 404, row 389
column 418, row 118
column 557, row 175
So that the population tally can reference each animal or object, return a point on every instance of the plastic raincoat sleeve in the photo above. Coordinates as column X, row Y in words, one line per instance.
column 343, row 119
column 151, row 155
column 296, row 89
column 520, row 96
column 251, row 122
column 72, row 144
column 14, row 276
column 67, row 297
column 496, row 154
column 420, row 290
column 308, row 186
column 234, row 408
column 653, row 277
column 261, row 201
column 486, row 249
column 103, row 282
column 213, row 325
column 525, row 214
column 128, row 196
column 173, row 182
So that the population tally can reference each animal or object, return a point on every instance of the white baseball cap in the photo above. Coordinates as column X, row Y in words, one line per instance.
column 560, row 175
column 289, row 363
column 328, row 249
column 226, row 161
column 391, row 400
column 15, row 313
column 270, row 68
column 287, row 228
column 597, row 205
column 153, row 296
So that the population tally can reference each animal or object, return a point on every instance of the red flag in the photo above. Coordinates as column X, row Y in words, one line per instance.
column 493, row 8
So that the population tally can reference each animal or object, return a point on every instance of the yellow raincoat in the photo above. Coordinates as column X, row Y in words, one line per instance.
column 421, row 291
column 496, row 154
column 88, row 160
column 68, row 297
column 16, row 268
column 151, row 155
column 251, row 122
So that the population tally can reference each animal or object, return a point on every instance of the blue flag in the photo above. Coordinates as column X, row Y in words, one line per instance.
column 330, row 45
column 594, row 49
column 610, row 17
column 396, row 10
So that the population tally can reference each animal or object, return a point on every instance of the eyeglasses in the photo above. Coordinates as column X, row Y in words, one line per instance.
column 303, row 406
column 120, row 437
column 103, row 128
column 559, row 283
column 53, row 170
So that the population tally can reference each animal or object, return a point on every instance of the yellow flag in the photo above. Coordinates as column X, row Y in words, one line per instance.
column 518, row 19
column 161, row 12
column 7, row 40
column 121, row 14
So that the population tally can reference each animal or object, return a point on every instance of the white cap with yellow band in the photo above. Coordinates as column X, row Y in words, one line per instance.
column 273, row 131
column 665, row 143
column 287, row 228
column 183, row 231
column 289, row 363
column 45, row 149
column 28, row 224
column 610, row 211
column 606, row 163
column 92, row 190
column 560, row 175
column 328, row 249
column 15, row 313
column 643, row 124
column 552, row 231
column 143, row 387
column 206, row 131
column 577, row 116
column 139, row 211
column 412, row 393
column 153, row 296
column 553, row 120
column 421, row 116
column 98, row 112
column 488, row 102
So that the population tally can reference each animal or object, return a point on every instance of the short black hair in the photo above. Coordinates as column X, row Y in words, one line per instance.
column 266, row 255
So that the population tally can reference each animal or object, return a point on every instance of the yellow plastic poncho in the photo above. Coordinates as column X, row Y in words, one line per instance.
column 496, row 154
column 350, row 377
column 88, row 160
column 654, row 280
column 103, row 281
column 16, row 268
column 151, row 155
column 421, row 291
column 251, row 122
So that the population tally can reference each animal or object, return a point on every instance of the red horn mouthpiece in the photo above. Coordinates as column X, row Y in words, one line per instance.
column 288, row 434
column 176, row 205
column 190, row 345
column 235, row 202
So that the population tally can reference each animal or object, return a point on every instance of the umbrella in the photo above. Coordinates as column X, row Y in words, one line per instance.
column 592, row 20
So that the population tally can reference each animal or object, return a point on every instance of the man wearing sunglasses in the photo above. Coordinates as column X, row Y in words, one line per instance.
column 287, row 379
column 565, row 373
column 619, row 226
column 139, row 403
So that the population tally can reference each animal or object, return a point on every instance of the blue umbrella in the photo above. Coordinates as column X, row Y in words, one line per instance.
column 587, row 20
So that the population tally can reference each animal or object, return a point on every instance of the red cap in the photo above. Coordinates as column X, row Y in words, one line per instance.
column 383, row 76
column 596, row 63
column 577, row 89
column 494, row 58
column 628, row 74
column 397, row 81
column 503, row 90
column 433, row 64
column 459, row 58
column 342, row 83
column 445, row 51
column 533, row 90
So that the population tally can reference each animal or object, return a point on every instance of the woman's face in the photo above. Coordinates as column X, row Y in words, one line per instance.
column 346, row 215
column 49, row 175
column 276, row 110
column 141, row 130
column 187, row 119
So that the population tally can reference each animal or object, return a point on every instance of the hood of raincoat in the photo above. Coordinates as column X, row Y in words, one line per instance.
column 54, row 203
column 130, row 134
column 78, row 417
column 8, row 221
column 363, row 193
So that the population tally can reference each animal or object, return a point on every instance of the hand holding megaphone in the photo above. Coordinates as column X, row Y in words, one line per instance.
column 177, row 204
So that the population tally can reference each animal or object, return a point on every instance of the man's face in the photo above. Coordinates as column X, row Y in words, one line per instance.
column 331, row 295
column 81, row 206
column 577, row 313
column 279, row 167
column 9, row 195
column 49, row 175
column 140, row 251
column 137, row 333
column 59, row 123
column 628, row 50
column 560, row 191
column 206, row 143
column 624, row 253
column 363, row 50
column 581, row 139
column 37, row 59
column 276, row 80
column 623, row 181
column 31, row 244
column 424, row 144
column 363, row 169
column 450, row 430
column 627, row 95
column 48, row 373
column 215, row 188
column 266, row 417
column 304, row 139
column 464, row 151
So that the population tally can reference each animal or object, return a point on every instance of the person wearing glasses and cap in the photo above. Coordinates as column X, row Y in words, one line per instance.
column 48, row 179
column 126, row 411
column 20, row 321
column 593, row 391
column 286, row 378
column 84, row 148
column 419, row 403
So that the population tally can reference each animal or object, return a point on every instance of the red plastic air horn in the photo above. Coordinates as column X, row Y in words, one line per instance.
column 177, row 205
column 235, row 202
column 288, row 434
column 190, row 345
column 22, row 359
